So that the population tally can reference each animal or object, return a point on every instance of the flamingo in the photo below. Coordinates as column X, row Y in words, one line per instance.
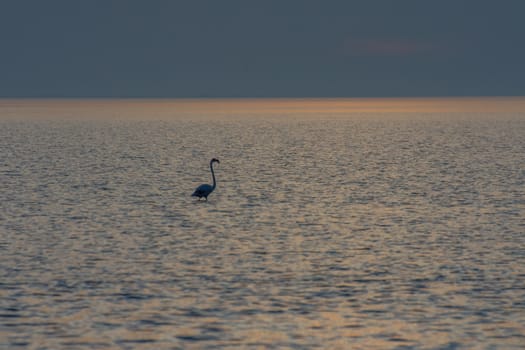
column 204, row 190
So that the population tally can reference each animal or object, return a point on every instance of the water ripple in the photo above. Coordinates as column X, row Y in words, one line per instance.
column 341, row 233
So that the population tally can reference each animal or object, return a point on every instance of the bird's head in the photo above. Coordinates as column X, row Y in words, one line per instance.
column 215, row 160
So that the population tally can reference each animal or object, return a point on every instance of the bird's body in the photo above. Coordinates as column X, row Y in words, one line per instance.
column 204, row 190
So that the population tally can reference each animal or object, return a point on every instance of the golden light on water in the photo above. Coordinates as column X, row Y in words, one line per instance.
column 336, row 223
column 159, row 109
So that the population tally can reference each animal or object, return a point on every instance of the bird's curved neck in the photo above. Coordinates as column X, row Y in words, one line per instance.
column 213, row 175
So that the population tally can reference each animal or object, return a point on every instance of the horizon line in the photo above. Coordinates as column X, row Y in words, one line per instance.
column 254, row 97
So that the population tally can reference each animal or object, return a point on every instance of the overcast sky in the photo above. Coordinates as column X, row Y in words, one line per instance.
column 265, row 48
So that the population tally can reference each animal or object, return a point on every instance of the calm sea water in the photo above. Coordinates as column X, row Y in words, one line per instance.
column 335, row 224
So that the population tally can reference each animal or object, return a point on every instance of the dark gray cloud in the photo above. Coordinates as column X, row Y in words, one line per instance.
column 132, row 48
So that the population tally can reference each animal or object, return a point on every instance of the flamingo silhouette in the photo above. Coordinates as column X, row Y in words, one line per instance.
column 204, row 190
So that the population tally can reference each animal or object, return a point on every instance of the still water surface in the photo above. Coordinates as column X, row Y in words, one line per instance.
column 331, row 227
